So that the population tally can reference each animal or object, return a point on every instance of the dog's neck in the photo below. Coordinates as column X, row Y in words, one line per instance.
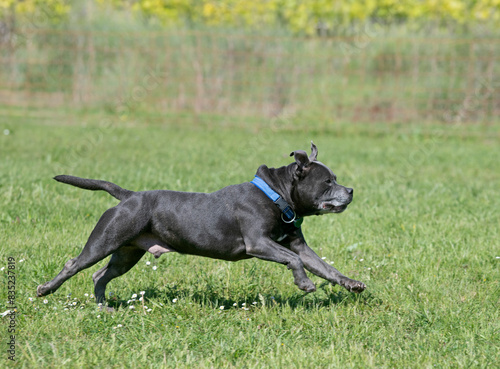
column 274, row 178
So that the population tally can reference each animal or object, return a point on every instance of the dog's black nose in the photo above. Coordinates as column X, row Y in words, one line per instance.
column 349, row 190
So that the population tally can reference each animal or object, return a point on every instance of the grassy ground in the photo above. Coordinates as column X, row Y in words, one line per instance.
column 422, row 233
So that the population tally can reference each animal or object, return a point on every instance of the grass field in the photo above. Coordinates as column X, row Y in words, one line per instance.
column 422, row 233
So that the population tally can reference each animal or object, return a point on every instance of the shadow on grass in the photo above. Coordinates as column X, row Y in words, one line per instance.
column 323, row 297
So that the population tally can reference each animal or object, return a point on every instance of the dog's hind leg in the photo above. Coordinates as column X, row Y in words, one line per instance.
column 116, row 228
column 121, row 262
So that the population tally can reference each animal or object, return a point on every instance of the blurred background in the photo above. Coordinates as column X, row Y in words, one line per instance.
column 252, row 62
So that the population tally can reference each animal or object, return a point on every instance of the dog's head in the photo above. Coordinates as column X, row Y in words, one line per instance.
column 315, row 186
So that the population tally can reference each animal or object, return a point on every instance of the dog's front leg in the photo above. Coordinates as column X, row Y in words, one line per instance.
column 316, row 265
column 266, row 249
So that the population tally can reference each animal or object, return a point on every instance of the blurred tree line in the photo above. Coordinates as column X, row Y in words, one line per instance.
column 300, row 17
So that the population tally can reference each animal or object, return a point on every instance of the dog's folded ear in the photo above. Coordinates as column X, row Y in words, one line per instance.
column 301, row 158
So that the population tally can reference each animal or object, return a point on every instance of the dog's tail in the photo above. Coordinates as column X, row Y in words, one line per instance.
column 94, row 185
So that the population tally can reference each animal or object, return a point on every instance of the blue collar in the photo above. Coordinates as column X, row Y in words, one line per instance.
column 286, row 209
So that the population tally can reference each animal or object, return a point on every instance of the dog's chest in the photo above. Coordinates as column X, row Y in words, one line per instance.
column 284, row 234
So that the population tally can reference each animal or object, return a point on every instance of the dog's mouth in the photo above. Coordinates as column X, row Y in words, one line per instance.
column 333, row 206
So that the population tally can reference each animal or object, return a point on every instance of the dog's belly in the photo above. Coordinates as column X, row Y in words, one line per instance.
column 231, row 249
column 150, row 243
column 157, row 246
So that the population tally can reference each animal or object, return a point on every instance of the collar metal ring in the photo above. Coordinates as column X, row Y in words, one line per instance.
column 289, row 221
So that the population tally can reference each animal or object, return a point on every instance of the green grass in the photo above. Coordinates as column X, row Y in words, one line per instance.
column 422, row 233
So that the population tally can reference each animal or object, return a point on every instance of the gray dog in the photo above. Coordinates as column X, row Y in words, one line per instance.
column 254, row 219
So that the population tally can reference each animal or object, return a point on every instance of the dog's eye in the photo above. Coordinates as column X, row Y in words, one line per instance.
column 328, row 181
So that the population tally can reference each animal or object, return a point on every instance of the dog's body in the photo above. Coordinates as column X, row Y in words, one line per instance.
column 237, row 222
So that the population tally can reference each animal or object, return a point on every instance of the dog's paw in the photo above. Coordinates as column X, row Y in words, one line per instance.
column 306, row 285
column 39, row 291
column 354, row 286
